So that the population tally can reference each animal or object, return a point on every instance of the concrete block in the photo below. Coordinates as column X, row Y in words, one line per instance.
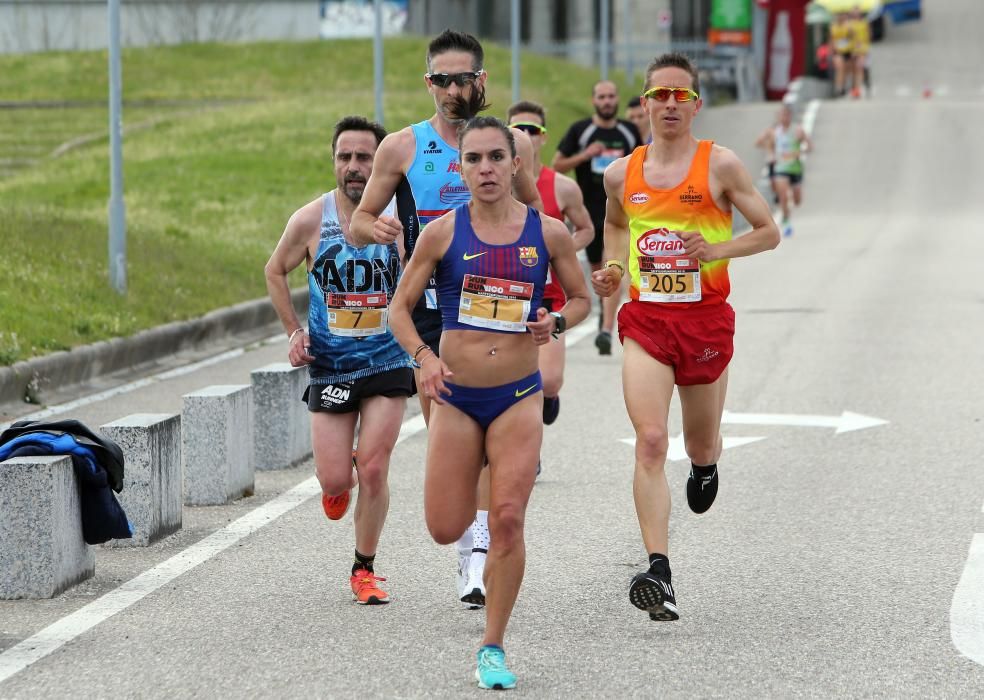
column 152, row 491
column 41, row 547
column 217, row 444
column 282, row 430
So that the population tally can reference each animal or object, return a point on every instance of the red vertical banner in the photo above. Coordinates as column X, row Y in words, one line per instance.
column 785, row 46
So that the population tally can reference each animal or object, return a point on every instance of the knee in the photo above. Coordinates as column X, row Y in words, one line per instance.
column 506, row 522
column 652, row 443
column 444, row 532
column 552, row 381
column 702, row 450
column 372, row 477
column 333, row 481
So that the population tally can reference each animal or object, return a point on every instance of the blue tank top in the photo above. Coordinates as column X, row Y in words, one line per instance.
column 431, row 188
column 350, row 291
column 492, row 287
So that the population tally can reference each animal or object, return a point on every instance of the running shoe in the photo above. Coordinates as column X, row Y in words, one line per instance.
column 603, row 341
column 336, row 506
column 701, row 490
column 492, row 673
column 654, row 594
column 787, row 229
column 551, row 409
column 473, row 592
column 364, row 588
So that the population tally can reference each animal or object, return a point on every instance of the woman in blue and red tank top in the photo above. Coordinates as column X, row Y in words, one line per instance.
column 491, row 257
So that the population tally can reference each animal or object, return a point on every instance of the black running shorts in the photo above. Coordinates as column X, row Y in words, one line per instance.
column 346, row 397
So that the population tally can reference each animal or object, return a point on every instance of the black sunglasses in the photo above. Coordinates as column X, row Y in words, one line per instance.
column 531, row 128
column 442, row 80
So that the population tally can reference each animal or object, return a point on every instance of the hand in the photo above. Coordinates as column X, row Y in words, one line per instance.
column 386, row 229
column 606, row 280
column 695, row 246
column 433, row 372
column 594, row 149
column 542, row 327
column 300, row 350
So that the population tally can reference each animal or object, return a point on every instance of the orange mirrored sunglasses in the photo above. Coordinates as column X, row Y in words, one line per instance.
column 661, row 94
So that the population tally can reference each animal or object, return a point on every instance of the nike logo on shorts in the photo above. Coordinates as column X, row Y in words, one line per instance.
column 466, row 256
column 524, row 391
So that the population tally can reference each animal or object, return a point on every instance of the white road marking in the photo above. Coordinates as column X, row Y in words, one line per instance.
column 967, row 608
column 810, row 116
column 677, row 452
column 845, row 422
column 57, row 634
column 903, row 91
column 138, row 384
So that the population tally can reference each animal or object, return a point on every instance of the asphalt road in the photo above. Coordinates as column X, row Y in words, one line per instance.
column 834, row 564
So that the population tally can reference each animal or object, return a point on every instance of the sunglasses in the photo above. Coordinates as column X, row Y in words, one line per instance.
column 531, row 128
column 442, row 80
column 680, row 94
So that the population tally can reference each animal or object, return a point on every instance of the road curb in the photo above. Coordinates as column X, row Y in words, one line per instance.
column 248, row 321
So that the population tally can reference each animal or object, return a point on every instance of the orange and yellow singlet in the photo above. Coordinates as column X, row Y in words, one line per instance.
column 659, row 272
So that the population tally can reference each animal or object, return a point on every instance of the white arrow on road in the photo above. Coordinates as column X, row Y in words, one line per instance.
column 845, row 422
column 677, row 452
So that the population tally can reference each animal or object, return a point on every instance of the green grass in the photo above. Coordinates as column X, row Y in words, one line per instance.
column 231, row 140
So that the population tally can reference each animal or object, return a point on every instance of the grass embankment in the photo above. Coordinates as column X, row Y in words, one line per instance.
column 233, row 139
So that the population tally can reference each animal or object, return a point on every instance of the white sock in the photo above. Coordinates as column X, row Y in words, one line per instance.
column 464, row 543
column 480, row 532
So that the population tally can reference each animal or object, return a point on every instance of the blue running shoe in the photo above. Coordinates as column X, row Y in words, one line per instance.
column 492, row 673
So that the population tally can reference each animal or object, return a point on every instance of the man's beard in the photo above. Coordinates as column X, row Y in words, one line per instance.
column 611, row 112
column 354, row 195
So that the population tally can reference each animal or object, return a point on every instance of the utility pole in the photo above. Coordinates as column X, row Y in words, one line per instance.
column 604, row 44
column 117, row 210
column 377, row 60
column 514, row 19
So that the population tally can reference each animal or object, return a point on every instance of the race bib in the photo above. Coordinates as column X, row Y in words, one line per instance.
column 488, row 302
column 357, row 315
column 669, row 279
column 604, row 159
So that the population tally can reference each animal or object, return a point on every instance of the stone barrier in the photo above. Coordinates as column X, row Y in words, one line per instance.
column 217, row 444
column 41, row 547
column 282, row 430
column 152, row 493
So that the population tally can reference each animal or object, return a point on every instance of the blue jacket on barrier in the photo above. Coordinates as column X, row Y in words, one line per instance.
column 102, row 516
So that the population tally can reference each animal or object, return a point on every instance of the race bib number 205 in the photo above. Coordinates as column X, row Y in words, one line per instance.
column 489, row 302
column 669, row 279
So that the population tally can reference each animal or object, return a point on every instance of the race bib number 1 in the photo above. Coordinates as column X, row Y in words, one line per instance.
column 357, row 315
column 488, row 302
column 669, row 279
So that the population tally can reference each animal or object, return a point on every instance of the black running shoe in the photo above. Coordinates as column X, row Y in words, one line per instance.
column 551, row 409
column 603, row 341
column 701, row 490
column 654, row 594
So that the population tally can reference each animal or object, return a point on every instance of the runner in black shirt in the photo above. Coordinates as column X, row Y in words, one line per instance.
column 588, row 147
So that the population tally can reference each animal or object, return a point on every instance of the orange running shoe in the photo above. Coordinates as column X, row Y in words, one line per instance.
column 335, row 507
column 364, row 588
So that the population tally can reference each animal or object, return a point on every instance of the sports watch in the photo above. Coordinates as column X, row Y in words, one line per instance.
column 560, row 323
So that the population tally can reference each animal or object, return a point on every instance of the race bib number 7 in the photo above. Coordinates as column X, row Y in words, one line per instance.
column 669, row 279
column 357, row 315
column 489, row 302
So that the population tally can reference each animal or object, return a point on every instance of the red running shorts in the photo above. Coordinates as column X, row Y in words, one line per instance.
column 697, row 342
